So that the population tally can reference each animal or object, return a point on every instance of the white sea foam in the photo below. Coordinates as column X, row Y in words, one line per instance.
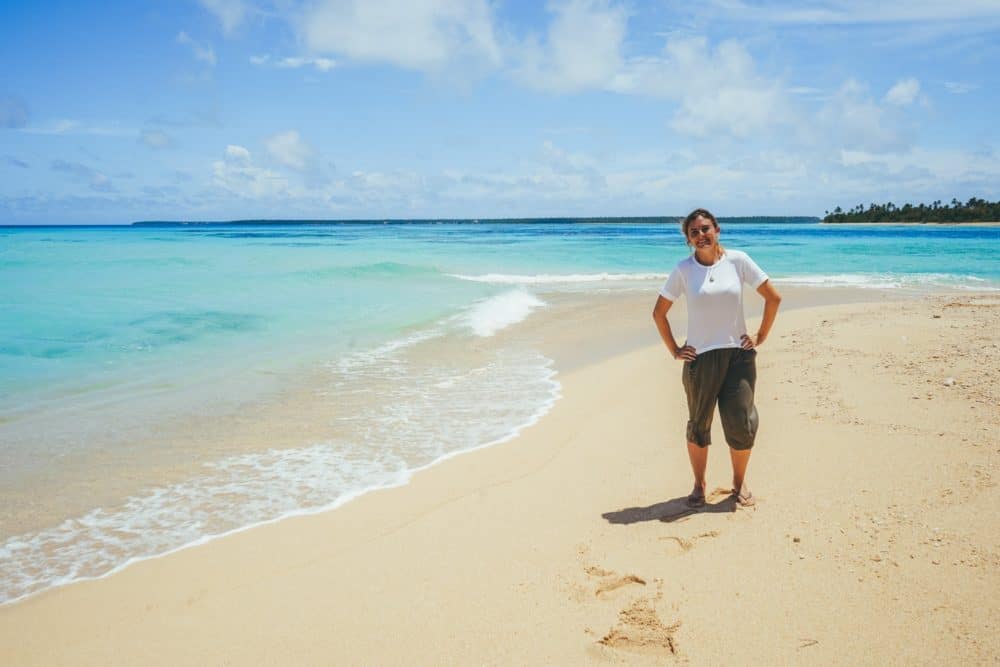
column 232, row 495
column 889, row 281
column 859, row 280
column 558, row 279
column 419, row 416
column 387, row 350
column 873, row 281
column 498, row 312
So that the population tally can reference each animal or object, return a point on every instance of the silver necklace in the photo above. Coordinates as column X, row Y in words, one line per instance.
column 711, row 270
column 711, row 267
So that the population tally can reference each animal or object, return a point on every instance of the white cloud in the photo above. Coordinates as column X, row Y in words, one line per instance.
column 94, row 179
column 229, row 12
column 322, row 64
column 852, row 120
column 718, row 91
column 536, row 183
column 13, row 112
column 960, row 87
column 851, row 12
column 294, row 62
column 63, row 126
column 915, row 175
column 903, row 93
column 68, row 126
column 155, row 139
column 237, row 154
column 583, row 48
column 668, row 183
column 807, row 91
column 426, row 35
column 289, row 149
column 237, row 175
column 202, row 52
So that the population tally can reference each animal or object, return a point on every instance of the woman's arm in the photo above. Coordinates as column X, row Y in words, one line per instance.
column 771, row 302
column 687, row 353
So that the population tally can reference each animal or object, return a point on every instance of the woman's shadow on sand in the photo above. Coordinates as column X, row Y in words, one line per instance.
column 673, row 509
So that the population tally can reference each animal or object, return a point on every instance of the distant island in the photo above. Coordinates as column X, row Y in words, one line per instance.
column 974, row 210
column 758, row 219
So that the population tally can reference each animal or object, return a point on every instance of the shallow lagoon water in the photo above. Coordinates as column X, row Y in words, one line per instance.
column 112, row 337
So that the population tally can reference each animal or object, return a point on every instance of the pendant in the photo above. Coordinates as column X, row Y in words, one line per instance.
column 711, row 279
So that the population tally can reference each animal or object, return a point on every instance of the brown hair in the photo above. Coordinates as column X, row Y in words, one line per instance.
column 694, row 215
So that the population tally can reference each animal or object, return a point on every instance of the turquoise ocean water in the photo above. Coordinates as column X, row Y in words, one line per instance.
column 111, row 336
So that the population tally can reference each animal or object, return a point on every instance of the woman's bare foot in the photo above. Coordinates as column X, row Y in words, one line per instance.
column 744, row 496
column 697, row 497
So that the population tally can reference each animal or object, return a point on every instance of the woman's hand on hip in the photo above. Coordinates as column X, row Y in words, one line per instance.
column 686, row 353
column 750, row 343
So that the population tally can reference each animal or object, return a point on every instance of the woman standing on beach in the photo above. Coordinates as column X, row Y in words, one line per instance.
column 719, row 356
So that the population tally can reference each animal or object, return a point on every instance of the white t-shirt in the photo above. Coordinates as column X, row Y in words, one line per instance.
column 715, row 298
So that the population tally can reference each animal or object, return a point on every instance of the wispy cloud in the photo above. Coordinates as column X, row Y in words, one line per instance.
column 230, row 13
column 717, row 89
column 807, row 91
column 963, row 26
column 203, row 52
column 70, row 127
column 853, row 120
column 13, row 113
column 583, row 48
column 903, row 93
column 63, row 126
column 852, row 12
column 290, row 150
column 424, row 35
column 155, row 139
column 237, row 175
column 294, row 62
column 197, row 118
column 960, row 87
column 15, row 162
column 237, row 154
column 96, row 180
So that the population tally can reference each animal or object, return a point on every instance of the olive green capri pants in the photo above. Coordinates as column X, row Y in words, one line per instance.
column 725, row 376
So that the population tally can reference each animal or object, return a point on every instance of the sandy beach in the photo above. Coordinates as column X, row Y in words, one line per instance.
column 875, row 537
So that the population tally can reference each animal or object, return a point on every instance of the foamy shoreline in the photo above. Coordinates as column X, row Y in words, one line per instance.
column 319, row 467
column 528, row 515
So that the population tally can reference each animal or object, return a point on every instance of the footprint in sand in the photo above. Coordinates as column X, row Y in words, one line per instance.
column 640, row 630
column 611, row 581
column 616, row 583
column 686, row 544
column 595, row 571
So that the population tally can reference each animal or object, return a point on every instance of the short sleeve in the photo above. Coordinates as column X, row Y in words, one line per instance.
column 674, row 287
column 750, row 273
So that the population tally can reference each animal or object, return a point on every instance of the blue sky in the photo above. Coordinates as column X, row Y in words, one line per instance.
column 225, row 109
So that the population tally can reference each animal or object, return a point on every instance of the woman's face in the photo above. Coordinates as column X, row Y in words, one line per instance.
column 702, row 233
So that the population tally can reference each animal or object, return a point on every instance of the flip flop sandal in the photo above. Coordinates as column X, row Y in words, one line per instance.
column 744, row 499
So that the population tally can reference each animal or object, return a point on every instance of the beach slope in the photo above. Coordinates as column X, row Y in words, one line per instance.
column 874, row 539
